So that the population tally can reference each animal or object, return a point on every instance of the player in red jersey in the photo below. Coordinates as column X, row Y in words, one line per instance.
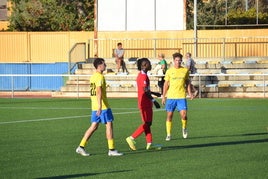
column 145, row 105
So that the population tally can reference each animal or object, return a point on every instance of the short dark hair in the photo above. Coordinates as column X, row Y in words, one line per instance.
column 188, row 53
column 119, row 43
column 177, row 54
column 140, row 61
column 97, row 62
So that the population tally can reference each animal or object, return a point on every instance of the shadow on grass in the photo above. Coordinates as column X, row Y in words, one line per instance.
column 81, row 175
column 216, row 144
column 248, row 134
column 164, row 148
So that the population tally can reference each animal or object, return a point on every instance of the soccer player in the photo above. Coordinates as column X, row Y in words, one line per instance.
column 145, row 104
column 174, row 94
column 101, row 111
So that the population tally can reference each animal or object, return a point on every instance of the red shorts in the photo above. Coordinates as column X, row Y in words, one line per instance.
column 146, row 114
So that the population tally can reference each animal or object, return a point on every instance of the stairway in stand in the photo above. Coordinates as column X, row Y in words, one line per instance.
column 118, row 84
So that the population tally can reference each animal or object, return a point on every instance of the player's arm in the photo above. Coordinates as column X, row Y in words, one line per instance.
column 99, row 99
column 149, row 95
column 148, row 92
column 156, row 94
column 165, row 89
column 188, row 85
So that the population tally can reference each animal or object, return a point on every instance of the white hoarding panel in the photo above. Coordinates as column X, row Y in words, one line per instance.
column 140, row 15
column 169, row 15
column 111, row 15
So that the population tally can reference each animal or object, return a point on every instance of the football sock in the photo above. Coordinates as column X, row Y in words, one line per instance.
column 111, row 144
column 184, row 123
column 148, row 145
column 168, row 127
column 83, row 143
column 149, row 137
column 148, row 134
column 131, row 137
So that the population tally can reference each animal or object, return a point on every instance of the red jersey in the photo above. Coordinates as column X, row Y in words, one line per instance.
column 143, row 82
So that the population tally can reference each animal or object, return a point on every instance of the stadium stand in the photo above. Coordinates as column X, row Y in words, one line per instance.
column 214, row 78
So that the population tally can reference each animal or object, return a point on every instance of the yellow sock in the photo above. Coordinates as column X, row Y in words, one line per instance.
column 184, row 123
column 168, row 127
column 83, row 142
column 111, row 144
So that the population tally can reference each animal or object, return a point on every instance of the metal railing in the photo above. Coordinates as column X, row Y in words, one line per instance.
column 12, row 80
column 206, row 47
column 77, row 54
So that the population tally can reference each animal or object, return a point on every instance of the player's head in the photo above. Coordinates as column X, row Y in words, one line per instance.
column 144, row 64
column 177, row 55
column 98, row 61
column 161, row 56
column 177, row 59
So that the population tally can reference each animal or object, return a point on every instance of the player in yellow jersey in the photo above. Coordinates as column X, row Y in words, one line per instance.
column 101, row 111
column 174, row 94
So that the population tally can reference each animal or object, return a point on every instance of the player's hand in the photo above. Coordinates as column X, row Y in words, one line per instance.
column 164, row 101
column 156, row 104
column 191, row 95
column 156, row 94
column 98, row 113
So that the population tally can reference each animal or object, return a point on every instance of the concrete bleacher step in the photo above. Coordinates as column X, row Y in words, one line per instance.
column 77, row 82
column 238, row 78
column 208, row 71
column 72, row 88
column 240, row 84
column 86, row 71
column 80, row 78
column 112, row 65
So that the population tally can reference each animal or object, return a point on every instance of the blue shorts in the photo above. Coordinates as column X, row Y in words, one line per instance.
column 179, row 104
column 106, row 116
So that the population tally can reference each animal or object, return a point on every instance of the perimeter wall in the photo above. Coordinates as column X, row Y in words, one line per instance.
column 49, row 47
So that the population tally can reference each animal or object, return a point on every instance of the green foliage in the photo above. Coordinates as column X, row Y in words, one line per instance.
column 246, row 17
column 52, row 15
column 190, row 12
column 67, row 15
column 213, row 14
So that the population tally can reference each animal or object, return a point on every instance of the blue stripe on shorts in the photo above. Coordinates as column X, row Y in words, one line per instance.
column 179, row 104
column 106, row 116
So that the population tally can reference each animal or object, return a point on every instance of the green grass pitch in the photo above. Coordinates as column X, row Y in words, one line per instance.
column 228, row 138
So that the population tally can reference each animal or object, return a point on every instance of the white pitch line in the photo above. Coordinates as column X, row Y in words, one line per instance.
column 60, row 118
column 6, row 107
column 44, row 119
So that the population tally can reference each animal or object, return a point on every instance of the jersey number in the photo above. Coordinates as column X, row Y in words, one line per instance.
column 92, row 89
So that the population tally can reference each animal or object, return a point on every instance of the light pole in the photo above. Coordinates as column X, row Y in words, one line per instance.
column 95, row 28
column 195, row 28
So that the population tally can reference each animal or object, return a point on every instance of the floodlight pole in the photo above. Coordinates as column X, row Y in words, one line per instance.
column 195, row 29
column 95, row 28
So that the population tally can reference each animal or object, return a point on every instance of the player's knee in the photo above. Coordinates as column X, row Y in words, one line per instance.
column 148, row 123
